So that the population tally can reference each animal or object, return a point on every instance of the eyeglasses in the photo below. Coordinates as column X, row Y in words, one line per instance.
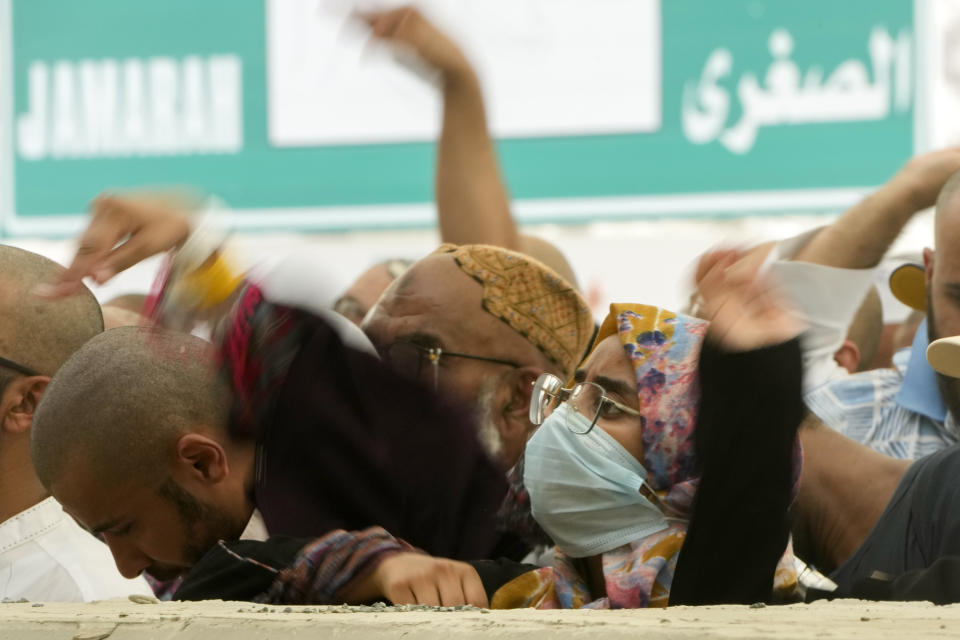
column 16, row 366
column 350, row 308
column 413, row 360
column 588, row 399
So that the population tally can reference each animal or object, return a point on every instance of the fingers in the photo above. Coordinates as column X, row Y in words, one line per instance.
column 95, row 244
column 427, row 592
column 419, row 579
column 141, row 244
column 122, row 232
column 709, row 260
column 472, row 588
column 712, row 281
column 389, row 24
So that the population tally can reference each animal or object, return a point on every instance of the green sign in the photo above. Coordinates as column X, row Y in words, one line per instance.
column 764, row 106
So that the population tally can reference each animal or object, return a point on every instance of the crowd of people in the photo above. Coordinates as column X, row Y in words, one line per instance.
column 459, row 430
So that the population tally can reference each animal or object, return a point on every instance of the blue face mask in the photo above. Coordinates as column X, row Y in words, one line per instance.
column 585, row 489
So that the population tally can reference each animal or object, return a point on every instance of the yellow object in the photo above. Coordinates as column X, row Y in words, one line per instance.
column 944, row 356
column 212, row 282
column 908, row 284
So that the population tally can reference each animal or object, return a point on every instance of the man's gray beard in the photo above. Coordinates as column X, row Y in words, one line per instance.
column 487, row 430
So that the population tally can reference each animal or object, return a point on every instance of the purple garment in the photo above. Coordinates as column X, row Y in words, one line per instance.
column 345, row 443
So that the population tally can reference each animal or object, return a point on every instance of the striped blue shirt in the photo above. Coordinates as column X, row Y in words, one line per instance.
column 895, row 411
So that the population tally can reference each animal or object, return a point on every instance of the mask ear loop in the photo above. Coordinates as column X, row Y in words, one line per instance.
column 668, row 512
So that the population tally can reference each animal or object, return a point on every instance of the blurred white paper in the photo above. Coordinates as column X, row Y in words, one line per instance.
column 548, row 67
column 943, row 69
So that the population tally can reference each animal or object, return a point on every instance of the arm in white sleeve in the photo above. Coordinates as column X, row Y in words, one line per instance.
column 826, row 299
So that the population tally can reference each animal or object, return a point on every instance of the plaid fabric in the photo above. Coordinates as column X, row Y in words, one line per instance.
column 326, row 566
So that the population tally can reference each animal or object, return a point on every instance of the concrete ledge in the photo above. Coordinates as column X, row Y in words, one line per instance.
column 125, row 620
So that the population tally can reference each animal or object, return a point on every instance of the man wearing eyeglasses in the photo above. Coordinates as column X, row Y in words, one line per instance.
column 480, row 324
column 44, row 554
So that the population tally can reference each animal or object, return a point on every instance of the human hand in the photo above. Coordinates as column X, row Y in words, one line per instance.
column 920, row 180
column 415, row 578
column 123, row 230
column 741, row 305
column 408, row 27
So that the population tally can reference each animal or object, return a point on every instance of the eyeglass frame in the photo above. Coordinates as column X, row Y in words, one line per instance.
column 19, row 368
column 536, row 408
column 434, row 354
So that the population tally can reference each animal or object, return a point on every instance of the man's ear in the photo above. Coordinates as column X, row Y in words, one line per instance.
column 200, row 458
column 848, row 356
column 19, row 402
column 927, row 264
column 517, row 409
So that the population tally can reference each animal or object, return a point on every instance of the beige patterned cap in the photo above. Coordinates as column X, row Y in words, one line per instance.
column 530, row 297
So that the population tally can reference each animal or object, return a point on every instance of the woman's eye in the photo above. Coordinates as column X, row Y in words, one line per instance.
column 610, row 411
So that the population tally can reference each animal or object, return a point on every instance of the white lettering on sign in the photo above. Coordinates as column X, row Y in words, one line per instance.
column 788, row 97
column 132, row 107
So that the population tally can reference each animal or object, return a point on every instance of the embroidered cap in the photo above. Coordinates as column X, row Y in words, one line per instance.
column 533, row 299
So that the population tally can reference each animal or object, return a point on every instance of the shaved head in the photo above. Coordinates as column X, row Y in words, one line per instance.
column 866, row 327
column 134, row 302
column 37, row 333
column 949, row 191
column 120, row 403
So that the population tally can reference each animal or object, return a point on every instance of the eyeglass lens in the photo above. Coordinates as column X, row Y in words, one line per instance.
column 410, row 360
column 584, row 398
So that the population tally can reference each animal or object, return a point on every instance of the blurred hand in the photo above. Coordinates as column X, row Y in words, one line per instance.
column 407, row 26
column 123, row 230
column 414, row 578
column 742, row 308
column 922, row 178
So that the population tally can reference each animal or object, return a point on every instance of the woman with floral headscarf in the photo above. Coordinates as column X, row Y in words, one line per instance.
column 674, row 441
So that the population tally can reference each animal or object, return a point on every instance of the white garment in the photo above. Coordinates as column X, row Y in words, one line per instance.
column 826, row 299
column 297, row 281
column 46, row 556
column 256, row 528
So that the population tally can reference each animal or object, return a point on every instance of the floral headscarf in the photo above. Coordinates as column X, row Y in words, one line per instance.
column 664, row 348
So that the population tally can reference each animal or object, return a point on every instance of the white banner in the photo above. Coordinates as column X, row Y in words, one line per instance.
column 549, row 67
column 942, row 124
column 6, row 109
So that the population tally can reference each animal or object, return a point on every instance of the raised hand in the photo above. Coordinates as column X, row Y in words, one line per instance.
column 741, row 305
column 123, row 230
column 408, row 27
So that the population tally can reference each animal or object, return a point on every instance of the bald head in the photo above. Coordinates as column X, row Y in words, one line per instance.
column 435, row 298
column 120, row 403
column 948, row 210
column 866, row 328
column 37, row 333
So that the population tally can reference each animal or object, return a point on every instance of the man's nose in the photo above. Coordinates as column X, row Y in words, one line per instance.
column 131, row 562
